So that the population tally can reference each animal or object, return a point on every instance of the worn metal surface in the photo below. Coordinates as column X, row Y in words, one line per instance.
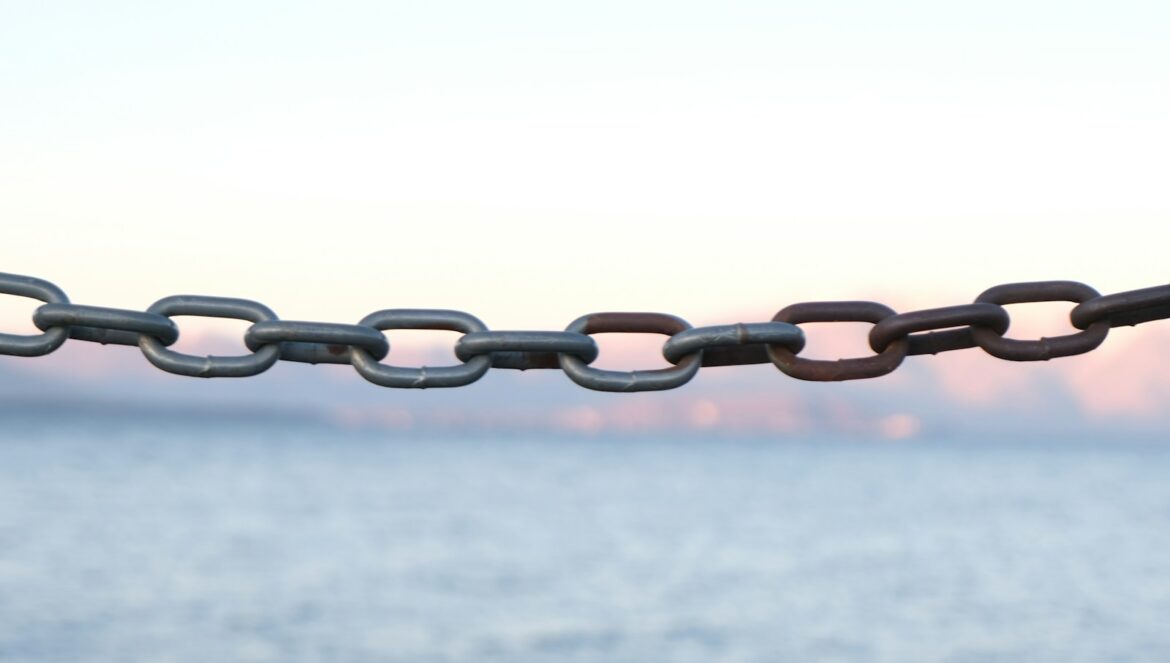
column 1041, row 349
column 893, row 337
column 1124, row 308
column 932, row 331
column 855, row 368
column 724, row 345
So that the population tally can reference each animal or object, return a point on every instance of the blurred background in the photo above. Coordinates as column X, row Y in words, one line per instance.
column 529, row 163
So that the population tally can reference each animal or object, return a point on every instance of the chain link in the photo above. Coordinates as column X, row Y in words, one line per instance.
column 894, row 336
column 820, row 370
column 1042, row 349
column 469, row 371
column 99, row 324
column 168, row 360
column 630, row 323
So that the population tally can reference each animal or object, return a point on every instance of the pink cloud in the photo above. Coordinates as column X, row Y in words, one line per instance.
column 1129, row 376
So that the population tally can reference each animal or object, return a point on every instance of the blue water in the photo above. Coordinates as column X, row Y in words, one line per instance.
column 247, row 542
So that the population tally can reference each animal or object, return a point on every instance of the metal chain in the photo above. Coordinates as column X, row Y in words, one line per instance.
column 894, row 336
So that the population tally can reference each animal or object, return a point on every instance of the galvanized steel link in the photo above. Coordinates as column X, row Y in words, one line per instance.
column 643, row 380
column 210, row 367
column 367, row 365
column 100, row 324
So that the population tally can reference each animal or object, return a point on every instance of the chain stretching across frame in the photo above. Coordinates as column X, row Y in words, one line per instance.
column 894, row 336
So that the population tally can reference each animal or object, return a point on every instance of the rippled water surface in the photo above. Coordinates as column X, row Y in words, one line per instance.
column 210, row 542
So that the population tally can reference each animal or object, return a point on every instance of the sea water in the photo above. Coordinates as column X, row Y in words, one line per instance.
column 261, row 541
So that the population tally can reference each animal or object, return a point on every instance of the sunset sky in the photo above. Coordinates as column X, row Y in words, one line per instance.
column 530, row 162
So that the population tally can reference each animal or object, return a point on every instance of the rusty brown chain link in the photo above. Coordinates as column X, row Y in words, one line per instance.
column 894, row 336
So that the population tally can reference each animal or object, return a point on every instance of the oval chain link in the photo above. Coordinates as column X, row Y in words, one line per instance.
column 821, row 370
column 472, row 369
column 995, row 344
column 179, row 363
column 643, row 380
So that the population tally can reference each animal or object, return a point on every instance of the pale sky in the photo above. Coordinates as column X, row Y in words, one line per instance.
column 530, row 162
